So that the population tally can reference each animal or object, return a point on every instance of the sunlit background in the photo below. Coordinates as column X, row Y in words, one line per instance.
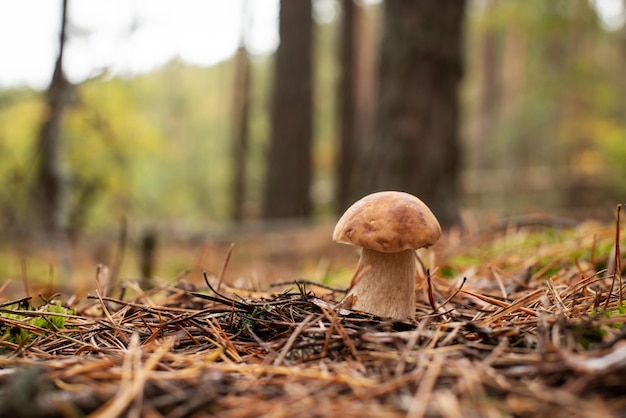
column 134, row 37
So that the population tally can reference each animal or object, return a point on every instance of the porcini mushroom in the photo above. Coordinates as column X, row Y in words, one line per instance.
column 389, row 226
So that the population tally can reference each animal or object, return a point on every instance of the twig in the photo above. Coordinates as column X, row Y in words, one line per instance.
column 456, row 292
column 224, row 266
column 230, row 301
column 518, row 305
column 495, row 274
column 618, row 258
column 116, row 266
column 292, row 338
column 24, row 276
column 431, row 295
column 497, row 302
column 310, row 283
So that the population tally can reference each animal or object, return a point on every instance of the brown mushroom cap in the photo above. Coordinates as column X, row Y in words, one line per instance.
column 388, row 222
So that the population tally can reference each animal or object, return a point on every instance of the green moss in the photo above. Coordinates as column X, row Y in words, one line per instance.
column 587, row 335
column 620, row 310
column 16, row 334
column 447, row 272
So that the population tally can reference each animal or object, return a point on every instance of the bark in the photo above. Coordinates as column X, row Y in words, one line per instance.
column 148, row 247
column 288, row 178
column 241, row 112
column 347, row 105
column 368, row 22
column 415, row 142
column 489, row 98
column 50, row 192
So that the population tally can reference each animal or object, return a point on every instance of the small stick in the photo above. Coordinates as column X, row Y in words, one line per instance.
column 119, row 253
column 335, row 324
column 51, row 277
column 24, row 276
column 225, row 265
column 99, row 294
column 310, row 283
column 496, row 276
column 618, row 258
column 431, row 295
column 593, row 250
column 4, row 286
column 500, row 303
column 232, row 301
column 618, row 263
column 18, row 302
column 518, row 305
column 456, row 292
column 419, row 260
column 292, row 339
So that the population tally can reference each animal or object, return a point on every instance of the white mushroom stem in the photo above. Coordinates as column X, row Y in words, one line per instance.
column 388, row 288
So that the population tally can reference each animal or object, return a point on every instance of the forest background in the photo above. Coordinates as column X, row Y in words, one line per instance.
column 542, row 130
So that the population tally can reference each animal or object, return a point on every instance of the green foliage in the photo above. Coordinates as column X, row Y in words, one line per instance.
column 156, row 147
column 586, row 334
column 612, row 149
column 558, row 96
column 619, row 311
column 545, row 251
column 107, row 140
column 456, row 264
column 20, row 115
column 153, row 147
column 18, row 334
column 259, row 313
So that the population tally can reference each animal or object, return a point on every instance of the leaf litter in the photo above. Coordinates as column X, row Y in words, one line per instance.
column 524, row 320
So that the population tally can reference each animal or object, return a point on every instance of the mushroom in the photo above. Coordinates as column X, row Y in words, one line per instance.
column 389, row 226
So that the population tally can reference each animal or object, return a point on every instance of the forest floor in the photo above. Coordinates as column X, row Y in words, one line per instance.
column 525, row 318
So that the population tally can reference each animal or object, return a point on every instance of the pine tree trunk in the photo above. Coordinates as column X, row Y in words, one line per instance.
column 415, row 142
column 347, row 105
column 488, row 99
column 288, row 178
column 50, row 192
column 241, row 132
column 241, row 106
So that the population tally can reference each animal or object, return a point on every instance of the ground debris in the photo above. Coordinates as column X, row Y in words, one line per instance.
column 553, row 345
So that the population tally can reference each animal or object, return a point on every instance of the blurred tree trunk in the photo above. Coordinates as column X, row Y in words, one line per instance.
column 241, row 110
column 414, row 145
column 347, row 104
column 488, row 99
column 147, row 258
column 288, row 178
column 368, row 22
column 50, row 190
column 621, row 65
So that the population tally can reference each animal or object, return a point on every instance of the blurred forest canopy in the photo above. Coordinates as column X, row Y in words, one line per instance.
column 543, row 126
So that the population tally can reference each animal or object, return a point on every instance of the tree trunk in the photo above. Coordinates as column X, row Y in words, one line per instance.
column 288, row 178
column 241, row 110
column 415, row 142
column 50, row 192
column 488, row 99
column 347, row 105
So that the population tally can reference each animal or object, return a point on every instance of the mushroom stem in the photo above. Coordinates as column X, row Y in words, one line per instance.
column 388, row 288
